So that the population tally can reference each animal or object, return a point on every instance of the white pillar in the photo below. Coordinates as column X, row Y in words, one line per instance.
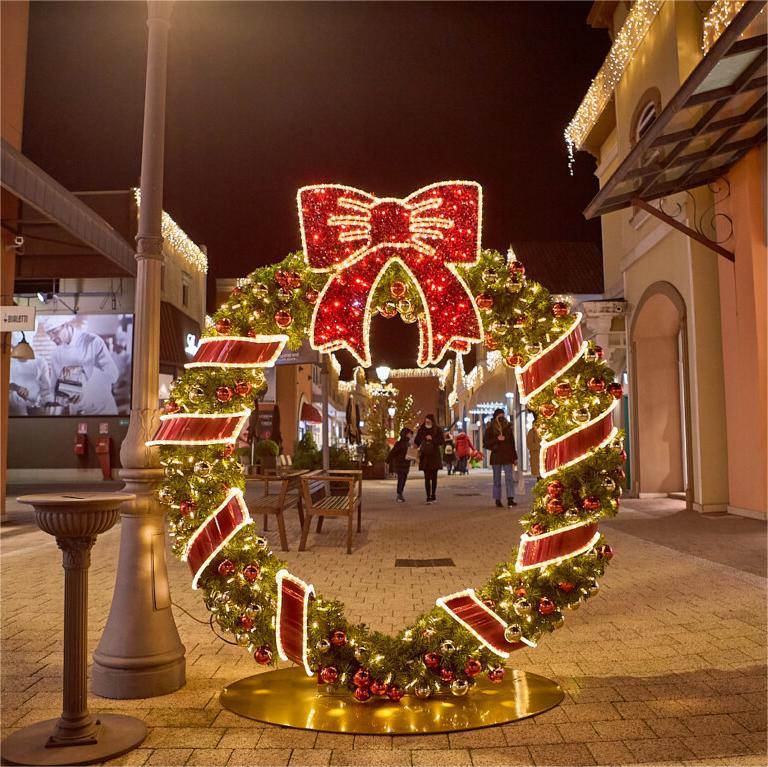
column 140, row 654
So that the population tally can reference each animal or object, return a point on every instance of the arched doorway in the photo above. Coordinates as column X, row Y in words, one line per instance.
column 661, row 445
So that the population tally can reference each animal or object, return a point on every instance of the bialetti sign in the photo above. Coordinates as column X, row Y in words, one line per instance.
column 17, row 318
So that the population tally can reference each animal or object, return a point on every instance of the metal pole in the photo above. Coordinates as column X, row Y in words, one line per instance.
column 326, row 394
column 140, row 654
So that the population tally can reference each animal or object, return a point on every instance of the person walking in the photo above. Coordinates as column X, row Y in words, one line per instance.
column 464, row 449
column 399, row 462
column 449, row 454
column 533, row 443
column 429, row 440
column 500, row 440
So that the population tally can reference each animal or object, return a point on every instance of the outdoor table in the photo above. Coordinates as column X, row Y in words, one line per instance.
column 76, row 737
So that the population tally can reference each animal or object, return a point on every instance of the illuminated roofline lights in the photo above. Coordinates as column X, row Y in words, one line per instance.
column 309, row 591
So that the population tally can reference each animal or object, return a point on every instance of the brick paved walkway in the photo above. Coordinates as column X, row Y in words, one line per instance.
column 666, row 665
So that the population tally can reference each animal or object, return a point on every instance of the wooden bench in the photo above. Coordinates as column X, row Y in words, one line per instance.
column 286, row 495
column 319, row 501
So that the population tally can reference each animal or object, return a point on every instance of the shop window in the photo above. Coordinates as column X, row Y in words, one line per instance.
column 646, row 112
column 186, row 286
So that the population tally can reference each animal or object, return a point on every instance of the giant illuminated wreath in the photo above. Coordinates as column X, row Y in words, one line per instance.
column 419, row 257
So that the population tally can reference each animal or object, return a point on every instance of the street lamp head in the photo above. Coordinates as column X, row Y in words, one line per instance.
column 509, row 395
column 391, row 410
column 383, row 373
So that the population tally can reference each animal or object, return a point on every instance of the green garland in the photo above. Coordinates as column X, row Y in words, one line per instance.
column 239, row 587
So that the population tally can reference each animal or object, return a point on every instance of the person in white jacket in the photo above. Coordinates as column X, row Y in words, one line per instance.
column 29, row 385
column 81, row 358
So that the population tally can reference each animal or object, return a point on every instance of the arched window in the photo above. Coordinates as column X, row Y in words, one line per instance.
column 646, row 112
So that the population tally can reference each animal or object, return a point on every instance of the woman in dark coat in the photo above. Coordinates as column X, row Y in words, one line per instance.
column 429, row 440
column 500, row 440
column 399, row 463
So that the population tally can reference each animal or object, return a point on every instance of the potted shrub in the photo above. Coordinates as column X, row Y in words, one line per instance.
column 376, row 453
column 306, row 454
column 266, row 451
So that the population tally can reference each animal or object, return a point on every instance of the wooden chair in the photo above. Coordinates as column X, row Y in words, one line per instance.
column 358, row 473
column 319, row 501
column 287, row 495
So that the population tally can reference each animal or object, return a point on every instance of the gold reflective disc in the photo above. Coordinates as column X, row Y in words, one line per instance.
column 288, row 697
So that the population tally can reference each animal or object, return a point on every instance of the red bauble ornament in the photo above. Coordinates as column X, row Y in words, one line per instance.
column 172, row 406
column 236, row 291
column 263, row 655
column 598, row 351
column 362, row 694
column 604, row 551
column 563, row 390
column 446, row 675
column 490, row 604
column 620, row 474
column 243, row 388
column 555, row 488
column 555, row 506
column 246, row 622
column 394, row 693
column 538, row 529
column 223, row 327
column 397, row 289
column 224, row 393
column 490, row 343
column 251, row 572
column 329, row 674
column 187, row 507
column 546, row 606
column 623, row 456
column 519, row 322
column 520, row 592
column 227, row 451
column 251, row 333
column 616, row 390
column 473, row 667
column 431, row 660
column 281, row 278
column 596, row 385
column 566, row 587
column 283, row 319
column 516, row 268
column 515, row 360
column 293, row 280
column 591, row 503
column 484, row 301
column 548, row 409
column 311, row 295
column 559, row 309
column 362, row 677
column 496, row 675
column 338, row 638
column 226, row 568
column 377, row 687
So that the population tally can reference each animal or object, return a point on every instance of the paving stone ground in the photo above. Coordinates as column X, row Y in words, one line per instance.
column 667, row 665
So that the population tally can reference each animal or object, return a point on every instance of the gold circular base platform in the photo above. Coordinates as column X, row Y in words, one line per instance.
column 288, row 697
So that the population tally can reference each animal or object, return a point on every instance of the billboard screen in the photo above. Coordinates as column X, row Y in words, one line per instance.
column 81, row 367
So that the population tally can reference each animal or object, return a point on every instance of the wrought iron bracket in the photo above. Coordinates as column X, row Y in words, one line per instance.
column 686, row 230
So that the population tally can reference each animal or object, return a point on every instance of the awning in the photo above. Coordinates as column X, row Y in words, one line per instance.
column 310, row 414
column 717, row 115
column 175, row 327
column 29, row 183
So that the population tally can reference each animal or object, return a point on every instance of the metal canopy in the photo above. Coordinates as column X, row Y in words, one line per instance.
column 717, row 115
column 25, row 180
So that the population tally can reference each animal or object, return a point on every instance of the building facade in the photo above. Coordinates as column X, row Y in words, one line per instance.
column 676, row 123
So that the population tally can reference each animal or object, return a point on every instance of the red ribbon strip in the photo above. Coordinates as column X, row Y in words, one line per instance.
column 538, row 372
column 573, row 446
column 535, row 551
column 358, row 235
column 465, row 608
column 234, row 352
column 291, row 633
column 181, row 429
column 214, row 533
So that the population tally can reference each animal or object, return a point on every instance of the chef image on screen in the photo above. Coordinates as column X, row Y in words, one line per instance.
column 29, row 383
column 82, row 368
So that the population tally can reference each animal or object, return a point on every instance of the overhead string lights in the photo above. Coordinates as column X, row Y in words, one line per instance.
column 356, row 237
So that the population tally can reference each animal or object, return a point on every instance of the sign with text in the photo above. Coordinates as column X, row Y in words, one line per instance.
column 17, row 318
column 304, row 355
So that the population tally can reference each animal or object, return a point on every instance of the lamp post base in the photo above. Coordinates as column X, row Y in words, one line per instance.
column 115, row 735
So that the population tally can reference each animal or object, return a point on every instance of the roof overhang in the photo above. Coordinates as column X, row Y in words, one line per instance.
column 34, row 187
column 717, row 115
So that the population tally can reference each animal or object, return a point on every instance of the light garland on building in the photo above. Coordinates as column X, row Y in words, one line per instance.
column 624, row 47
column 717, row 20
column 178, row 239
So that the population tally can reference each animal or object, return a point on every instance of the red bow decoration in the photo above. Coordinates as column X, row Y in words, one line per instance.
column 357, row 236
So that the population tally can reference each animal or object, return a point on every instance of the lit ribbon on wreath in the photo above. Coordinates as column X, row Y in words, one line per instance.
column 357, row 236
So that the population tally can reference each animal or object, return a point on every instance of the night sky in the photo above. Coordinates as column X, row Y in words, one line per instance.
column 266, row 97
